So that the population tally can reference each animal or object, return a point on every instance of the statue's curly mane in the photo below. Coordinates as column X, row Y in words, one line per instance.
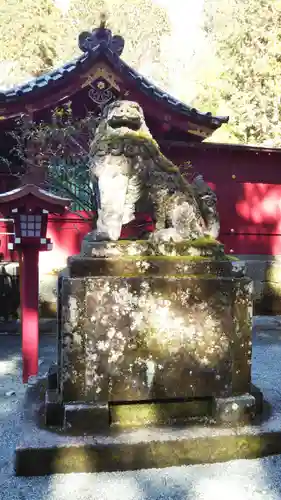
column 129, row 142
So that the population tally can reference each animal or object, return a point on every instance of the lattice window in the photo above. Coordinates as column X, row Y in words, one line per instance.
column 72, row 181
column 30, row 225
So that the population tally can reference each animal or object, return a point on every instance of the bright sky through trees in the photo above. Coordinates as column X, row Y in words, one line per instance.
column 219, row 56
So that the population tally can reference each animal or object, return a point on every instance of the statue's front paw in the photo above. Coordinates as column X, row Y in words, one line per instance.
column 165, row 236
column 97, row 236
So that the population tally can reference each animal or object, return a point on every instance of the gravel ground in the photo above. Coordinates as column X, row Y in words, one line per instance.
column 240, row 479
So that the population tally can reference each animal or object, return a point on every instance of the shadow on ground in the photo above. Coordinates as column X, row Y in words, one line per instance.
column 247, row 479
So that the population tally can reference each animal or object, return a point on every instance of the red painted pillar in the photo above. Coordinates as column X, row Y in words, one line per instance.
column 29, row 311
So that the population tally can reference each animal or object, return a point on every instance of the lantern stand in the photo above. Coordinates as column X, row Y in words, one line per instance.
column 29, row 206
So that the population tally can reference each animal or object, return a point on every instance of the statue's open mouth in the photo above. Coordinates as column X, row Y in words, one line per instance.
column 130, row 123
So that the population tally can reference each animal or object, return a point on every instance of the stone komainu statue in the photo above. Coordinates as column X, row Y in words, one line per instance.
column 134, row 177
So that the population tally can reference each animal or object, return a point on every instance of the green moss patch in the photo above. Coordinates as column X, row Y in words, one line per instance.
column 174, row 258
column 232, row 258
column 199, row 242
column 203, row 242
column 143, row 414
column 175, row 276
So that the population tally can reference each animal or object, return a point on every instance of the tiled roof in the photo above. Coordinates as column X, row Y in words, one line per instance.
column 103, row 47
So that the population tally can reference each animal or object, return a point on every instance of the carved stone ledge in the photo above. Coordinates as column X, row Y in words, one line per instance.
column 204, row 247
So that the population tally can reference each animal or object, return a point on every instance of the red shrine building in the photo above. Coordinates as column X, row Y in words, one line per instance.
column 247, row 180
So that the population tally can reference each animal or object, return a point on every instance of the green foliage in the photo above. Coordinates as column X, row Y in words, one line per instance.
column 28, row 35
column 38, row 36
column 246, row 39
column 60, row 150
column 72, row 181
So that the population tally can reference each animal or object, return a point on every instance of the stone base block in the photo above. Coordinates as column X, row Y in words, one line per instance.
column 87, row 417
column 235, row 409
column 54, row 410
column 52, row 378
column 41, row 453
column 265, row 271
column 268, row 301
column 159, row 413
column 154, row 338
column 80, row 418
column 162, row 330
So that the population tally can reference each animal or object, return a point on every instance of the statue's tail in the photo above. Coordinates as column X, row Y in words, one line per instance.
column 207, row 201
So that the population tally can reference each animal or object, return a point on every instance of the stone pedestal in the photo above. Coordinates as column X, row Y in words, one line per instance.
column 166, row 330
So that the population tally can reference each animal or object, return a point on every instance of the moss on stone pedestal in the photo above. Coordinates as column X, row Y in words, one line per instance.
column 137, row 415
column 201, row 247
column 202, row 257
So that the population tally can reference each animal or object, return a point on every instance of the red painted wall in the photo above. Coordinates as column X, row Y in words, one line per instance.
column 248, row 185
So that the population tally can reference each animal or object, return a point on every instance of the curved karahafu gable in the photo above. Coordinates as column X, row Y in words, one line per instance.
column 100, row 76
